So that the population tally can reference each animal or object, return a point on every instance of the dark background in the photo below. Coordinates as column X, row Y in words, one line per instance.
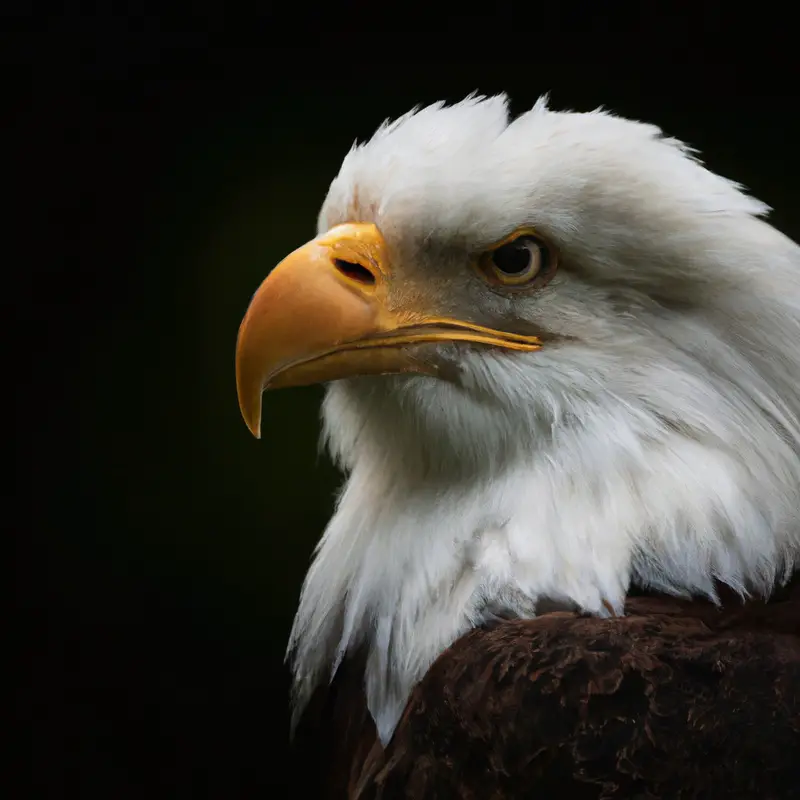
column 163, row 171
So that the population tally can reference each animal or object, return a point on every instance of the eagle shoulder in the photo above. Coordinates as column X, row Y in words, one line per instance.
column 675, row 699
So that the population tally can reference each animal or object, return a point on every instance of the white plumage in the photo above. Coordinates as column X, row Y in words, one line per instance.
column 657, row 442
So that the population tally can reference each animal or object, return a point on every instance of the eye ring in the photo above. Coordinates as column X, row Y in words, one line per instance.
column 518, row 261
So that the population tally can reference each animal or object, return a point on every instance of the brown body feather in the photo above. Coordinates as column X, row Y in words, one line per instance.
column 677, row 699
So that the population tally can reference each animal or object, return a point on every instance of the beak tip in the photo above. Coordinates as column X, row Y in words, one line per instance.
column 248, row 390
column 253, row 422
column 251, row 414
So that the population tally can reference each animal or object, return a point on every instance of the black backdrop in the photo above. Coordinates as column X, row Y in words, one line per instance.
column 161, row 548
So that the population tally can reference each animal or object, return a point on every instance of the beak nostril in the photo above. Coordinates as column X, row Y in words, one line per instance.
column 355, row 271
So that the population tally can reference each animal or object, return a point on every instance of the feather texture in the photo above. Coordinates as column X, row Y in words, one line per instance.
column 677, row 699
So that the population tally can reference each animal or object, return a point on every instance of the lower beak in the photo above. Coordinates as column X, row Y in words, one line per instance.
column 326, row 312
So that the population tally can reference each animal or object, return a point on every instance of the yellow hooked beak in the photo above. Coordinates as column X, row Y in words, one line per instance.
column 327, row 312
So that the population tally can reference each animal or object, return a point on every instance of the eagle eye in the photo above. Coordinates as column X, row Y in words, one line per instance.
column 518, row 261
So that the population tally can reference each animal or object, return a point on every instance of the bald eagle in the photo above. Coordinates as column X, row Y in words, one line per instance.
column 562, row 361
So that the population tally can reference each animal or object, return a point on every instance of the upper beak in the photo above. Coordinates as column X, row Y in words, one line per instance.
column 326, row 312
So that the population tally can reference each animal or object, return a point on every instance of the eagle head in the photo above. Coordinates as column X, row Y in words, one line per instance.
column 562, row 357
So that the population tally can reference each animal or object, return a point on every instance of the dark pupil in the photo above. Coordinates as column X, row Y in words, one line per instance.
column 512, row 258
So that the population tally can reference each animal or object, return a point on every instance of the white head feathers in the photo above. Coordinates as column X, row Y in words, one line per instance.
column 657, row 442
